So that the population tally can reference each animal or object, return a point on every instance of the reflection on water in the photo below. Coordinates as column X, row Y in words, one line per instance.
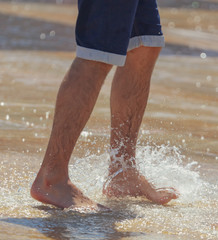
column 177, row 144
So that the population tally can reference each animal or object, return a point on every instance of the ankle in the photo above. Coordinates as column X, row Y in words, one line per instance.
column 115, row 170
column 51, row 177
column 119, row 164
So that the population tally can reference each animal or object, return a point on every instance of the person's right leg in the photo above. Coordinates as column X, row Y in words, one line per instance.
column 75, row 101
column 129, row 95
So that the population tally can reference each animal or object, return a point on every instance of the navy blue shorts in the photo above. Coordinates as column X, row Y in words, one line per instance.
column 107, row 29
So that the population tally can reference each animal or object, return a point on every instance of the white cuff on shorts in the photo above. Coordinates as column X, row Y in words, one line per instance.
column 147, row 41
column 100, row 56
column 118, row 59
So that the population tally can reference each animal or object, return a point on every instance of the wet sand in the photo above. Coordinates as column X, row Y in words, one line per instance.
column 178, row 139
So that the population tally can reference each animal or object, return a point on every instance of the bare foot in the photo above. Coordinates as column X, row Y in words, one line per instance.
column 63, row 194
column 130, row 183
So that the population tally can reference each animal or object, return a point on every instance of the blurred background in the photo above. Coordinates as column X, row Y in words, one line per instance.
column 49, row 25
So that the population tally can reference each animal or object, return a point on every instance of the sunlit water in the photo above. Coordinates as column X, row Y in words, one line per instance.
column 177, row 145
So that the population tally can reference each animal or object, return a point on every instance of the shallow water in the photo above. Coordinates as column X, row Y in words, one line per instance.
column 178, row 139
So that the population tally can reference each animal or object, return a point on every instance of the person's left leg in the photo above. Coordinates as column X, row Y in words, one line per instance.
column 75, row 101
column 129, row 94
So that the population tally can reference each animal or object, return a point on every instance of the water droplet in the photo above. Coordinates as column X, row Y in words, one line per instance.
column 203, row 55
column 47, row 115
column 183, row 140
column 7, row 117
column 23, row 139
column 208, row 78
column 85, row 134
column 52, row 33
column 42, row 36
column 145, row 131
column 202, row 137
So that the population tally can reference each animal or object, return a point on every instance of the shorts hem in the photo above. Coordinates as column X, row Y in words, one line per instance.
column 147, row 40
column 100, row 56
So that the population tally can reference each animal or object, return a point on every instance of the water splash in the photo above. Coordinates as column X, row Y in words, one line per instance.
column 165, row 166
column 162, row 165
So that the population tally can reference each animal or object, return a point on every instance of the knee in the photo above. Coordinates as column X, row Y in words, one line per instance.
column 145, row 51
column 99, row 66
column 143, row 55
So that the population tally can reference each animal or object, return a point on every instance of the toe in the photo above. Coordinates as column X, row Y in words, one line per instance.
column 171, row 192
column 166, row 194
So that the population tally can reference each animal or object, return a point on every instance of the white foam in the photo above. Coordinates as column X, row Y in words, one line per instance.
column 162, row 165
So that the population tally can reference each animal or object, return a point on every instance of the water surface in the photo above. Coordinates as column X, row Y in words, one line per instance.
column 177, row 145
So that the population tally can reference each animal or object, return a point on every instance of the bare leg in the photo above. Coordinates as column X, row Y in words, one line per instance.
column 75, row 101
column 129, row 94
